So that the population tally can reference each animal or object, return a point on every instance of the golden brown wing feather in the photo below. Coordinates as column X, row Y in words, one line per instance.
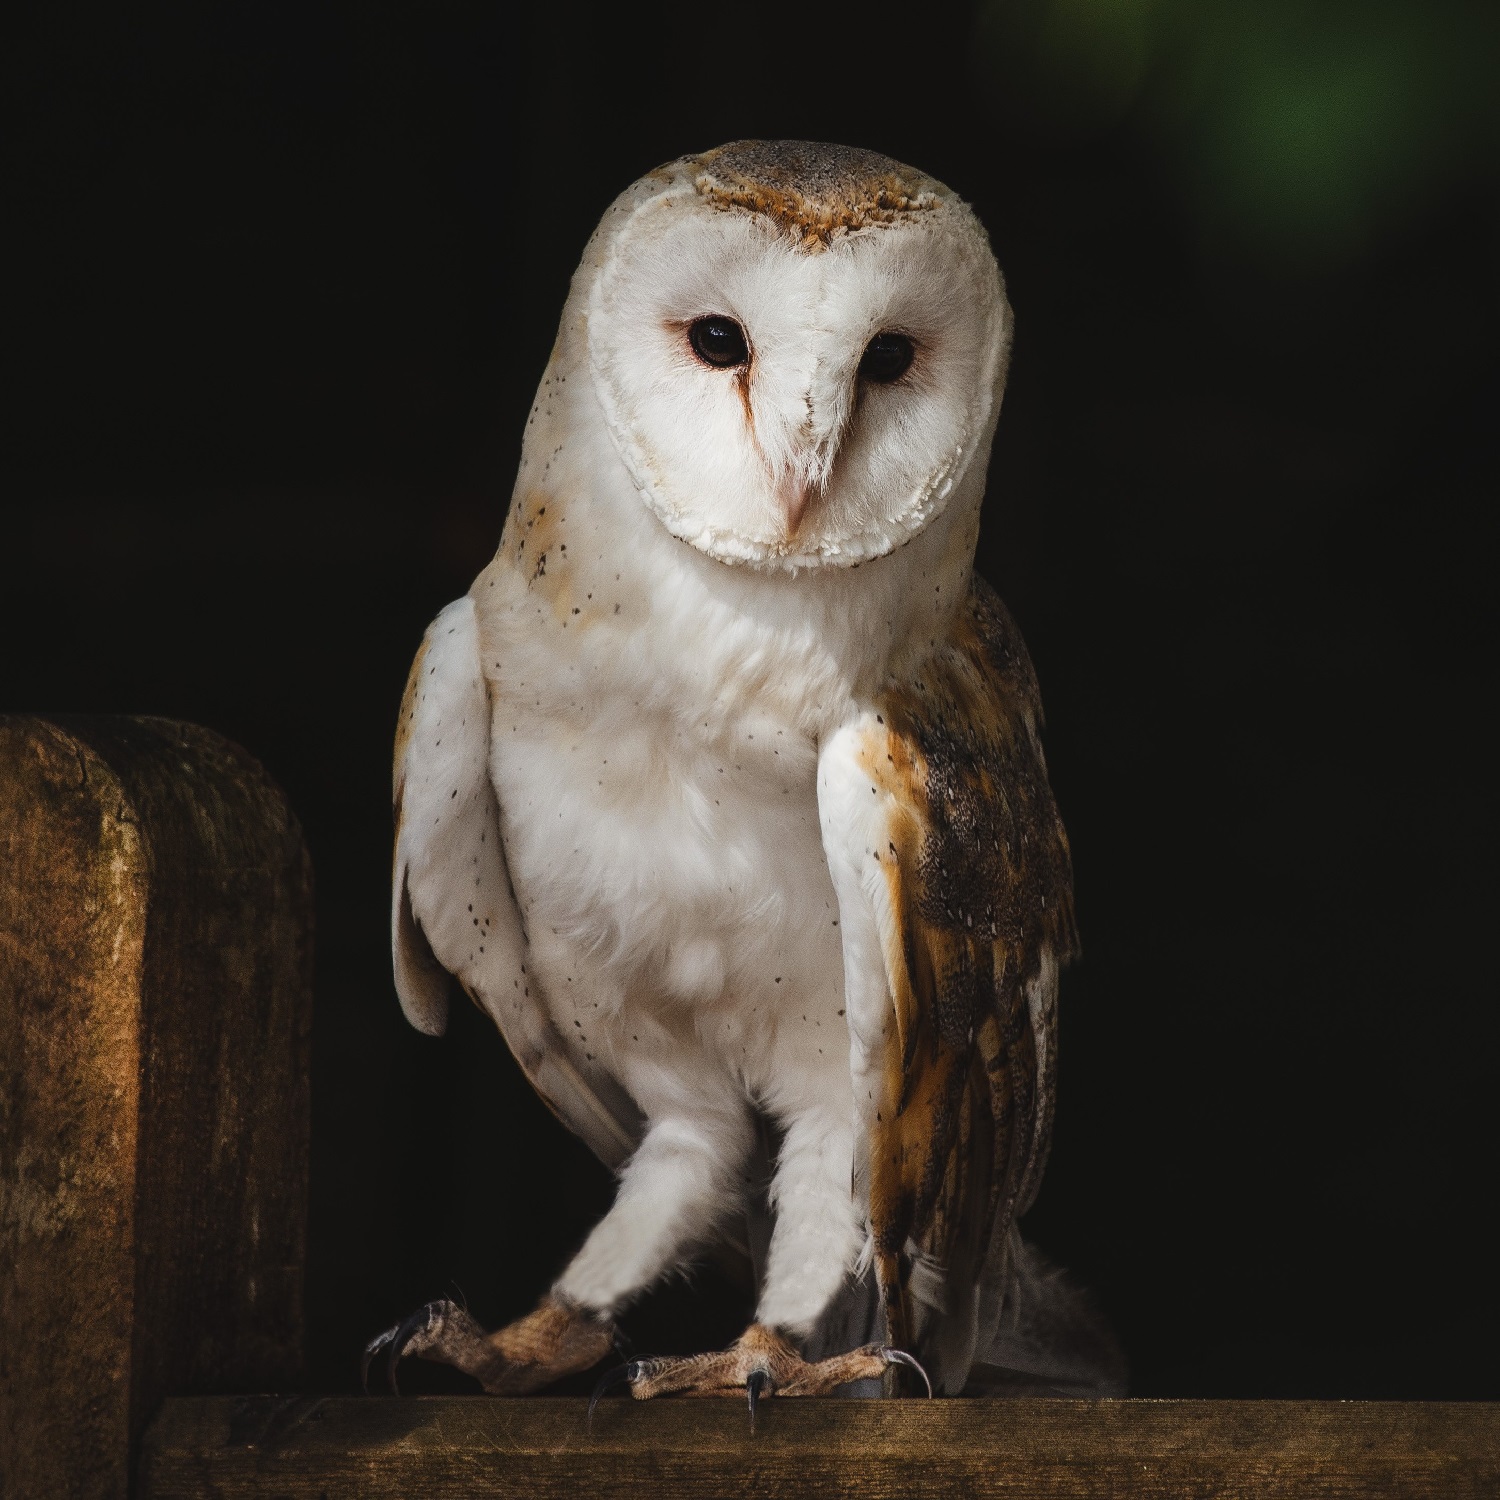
column 979, row 879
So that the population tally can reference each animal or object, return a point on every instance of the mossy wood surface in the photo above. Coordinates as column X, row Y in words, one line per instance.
column 155, row 1011
column 449, row 1446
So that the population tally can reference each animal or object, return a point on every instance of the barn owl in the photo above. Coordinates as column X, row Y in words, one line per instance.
column 721, row 791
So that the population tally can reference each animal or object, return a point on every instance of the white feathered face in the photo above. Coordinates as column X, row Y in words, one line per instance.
column 798, row 397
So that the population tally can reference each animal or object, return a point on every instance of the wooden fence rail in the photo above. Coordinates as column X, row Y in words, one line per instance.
column 436, row 1447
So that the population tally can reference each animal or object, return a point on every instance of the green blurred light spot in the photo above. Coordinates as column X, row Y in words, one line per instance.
column 1302, row 132
column 1313, row 144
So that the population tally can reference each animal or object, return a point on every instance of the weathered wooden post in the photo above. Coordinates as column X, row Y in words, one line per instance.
column 155, row 1011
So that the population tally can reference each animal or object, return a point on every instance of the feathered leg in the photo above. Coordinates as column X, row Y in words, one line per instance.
column 682, row 1183
column 678, row 1187
column 814, row 1244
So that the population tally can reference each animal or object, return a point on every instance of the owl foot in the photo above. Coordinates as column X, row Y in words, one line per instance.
column 759, row 1363
column 554, row 1340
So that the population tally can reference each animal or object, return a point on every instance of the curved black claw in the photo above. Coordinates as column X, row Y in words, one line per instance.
column 901, row 1357
column 373, row 1348
column 419, row 1322
column 758, row 1381
column 620, row 1375
column 395, row 1339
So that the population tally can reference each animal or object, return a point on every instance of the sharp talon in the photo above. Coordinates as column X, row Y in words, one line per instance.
column 373, row 1348
column 620, row 1375
column 901, row 1357
column 400, row 1337
column 759, row 1381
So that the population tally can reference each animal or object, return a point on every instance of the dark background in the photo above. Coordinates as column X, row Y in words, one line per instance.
column 287, row 277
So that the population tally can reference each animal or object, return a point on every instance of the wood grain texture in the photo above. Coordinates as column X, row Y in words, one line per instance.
column 155, row 1014
column 441, row 1446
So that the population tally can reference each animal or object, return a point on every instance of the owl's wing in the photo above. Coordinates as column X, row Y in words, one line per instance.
column 453, row 912
column 955, row 899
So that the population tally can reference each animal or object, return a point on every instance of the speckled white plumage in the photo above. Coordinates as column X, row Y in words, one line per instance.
column 631, row 749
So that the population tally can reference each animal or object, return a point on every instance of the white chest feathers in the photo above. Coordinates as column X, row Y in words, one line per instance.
column 656, row 764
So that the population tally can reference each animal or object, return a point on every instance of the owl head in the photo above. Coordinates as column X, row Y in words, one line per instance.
column 799, row 349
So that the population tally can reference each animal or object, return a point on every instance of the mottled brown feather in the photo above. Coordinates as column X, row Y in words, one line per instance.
column 979, row 876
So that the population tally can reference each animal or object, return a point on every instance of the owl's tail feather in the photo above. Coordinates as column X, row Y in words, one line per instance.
column 1027, row 1329
column 1040, row 1334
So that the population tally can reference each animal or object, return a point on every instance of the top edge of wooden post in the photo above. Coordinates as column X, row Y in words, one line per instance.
column 157, row 761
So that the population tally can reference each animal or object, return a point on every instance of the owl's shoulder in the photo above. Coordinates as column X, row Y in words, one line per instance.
column 992, row 856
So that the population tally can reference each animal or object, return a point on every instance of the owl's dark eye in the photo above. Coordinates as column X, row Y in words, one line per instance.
column 887, row 358
column 719, row 342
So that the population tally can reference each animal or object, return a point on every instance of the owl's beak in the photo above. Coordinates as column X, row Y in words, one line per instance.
column 800, row 457
column 795, row 493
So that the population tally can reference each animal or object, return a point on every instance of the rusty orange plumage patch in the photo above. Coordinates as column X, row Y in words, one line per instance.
column 813, row 191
